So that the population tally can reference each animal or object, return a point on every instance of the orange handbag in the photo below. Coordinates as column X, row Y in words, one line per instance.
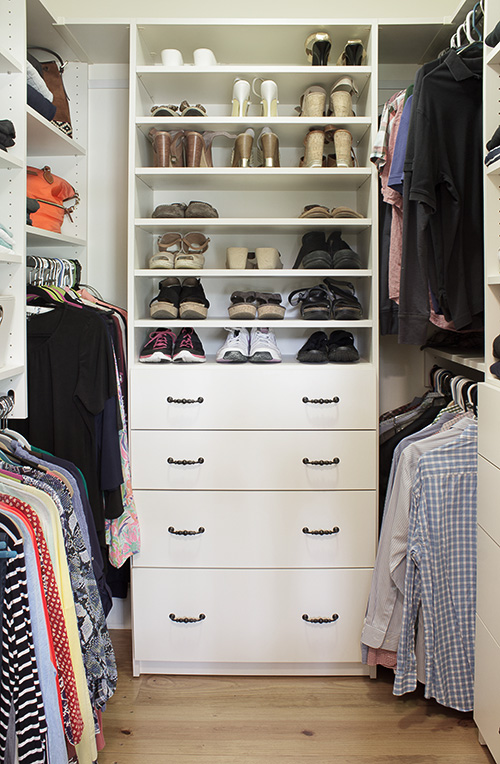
column 51, row 192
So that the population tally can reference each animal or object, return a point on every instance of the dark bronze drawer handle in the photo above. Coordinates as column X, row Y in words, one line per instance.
column 186, row 533
column 321, row 532
column 184, row 400
column 334, row 618
column 173, row 617
column 321, row 462
column 200, row 460
column 305, row 399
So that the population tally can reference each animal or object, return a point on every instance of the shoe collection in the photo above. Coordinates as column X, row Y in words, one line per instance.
column 162, row 346
column 257, row 346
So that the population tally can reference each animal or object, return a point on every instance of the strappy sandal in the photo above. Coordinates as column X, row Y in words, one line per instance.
column 315, row 302
column 269, row 305
column 242, row 305
column 162, row 260
column 164, row 111
column 199, row 147
column 186, row 110
column 345, row 304
column 354, row 54
column 170, row 242
column 193, row 246
column 312, row 102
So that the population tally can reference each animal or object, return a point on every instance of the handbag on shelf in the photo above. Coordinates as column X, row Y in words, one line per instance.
column 52, row 73
column 52, row 193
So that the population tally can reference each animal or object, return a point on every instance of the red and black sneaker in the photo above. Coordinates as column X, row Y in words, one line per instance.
column 188, row 347
column 158, row 348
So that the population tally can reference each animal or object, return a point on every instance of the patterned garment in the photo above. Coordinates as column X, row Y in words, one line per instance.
column 379, row 150
column 441, row 574
column 97, row 650
column 19, row 682
column 73, row 722
column 123, row 534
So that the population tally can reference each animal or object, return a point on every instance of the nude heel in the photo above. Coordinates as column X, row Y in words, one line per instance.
column 268, row 258
column 241, row 98
column 314, row 143
column 236, row 258
column 243, row 149
column 343, row 148
column 268, row 96
column 312, row 102
column 161, row 141
column 269, row 145
column 195, row 150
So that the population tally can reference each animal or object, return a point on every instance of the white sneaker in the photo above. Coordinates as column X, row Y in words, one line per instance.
column 236, row 347
column 263, row 346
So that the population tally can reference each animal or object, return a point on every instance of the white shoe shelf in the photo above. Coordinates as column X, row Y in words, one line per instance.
column 285, row 405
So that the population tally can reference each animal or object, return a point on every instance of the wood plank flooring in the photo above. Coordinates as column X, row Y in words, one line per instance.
column 156, row 719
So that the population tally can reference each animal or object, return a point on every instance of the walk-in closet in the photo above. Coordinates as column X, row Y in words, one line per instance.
column 249, row 383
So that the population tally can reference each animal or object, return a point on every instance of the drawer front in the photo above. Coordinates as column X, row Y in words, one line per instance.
column 488, row 492
column 252, row 397
column 489, row 423
column 486, row 694
column 250, row 616
column 488, row 578
column 250, row 529
column 253, row 460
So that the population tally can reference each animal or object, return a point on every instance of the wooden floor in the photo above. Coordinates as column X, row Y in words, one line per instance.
column 278, row 720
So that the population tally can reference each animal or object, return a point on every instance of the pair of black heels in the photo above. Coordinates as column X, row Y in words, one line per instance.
column 319, row 44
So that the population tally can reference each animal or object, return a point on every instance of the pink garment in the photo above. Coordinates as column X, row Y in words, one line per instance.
column 377, row 656
column 394, row 198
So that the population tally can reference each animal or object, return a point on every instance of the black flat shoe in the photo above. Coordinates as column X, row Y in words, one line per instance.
column 315, row 349
column 340, row 347
column 341, row 253
column 313, row 253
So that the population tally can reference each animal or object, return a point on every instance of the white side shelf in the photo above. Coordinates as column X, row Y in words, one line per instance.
column 9, row 161
column 45, row 139
column 8, row 63
column 37, row 237
column 493, row 56
column 7, row 372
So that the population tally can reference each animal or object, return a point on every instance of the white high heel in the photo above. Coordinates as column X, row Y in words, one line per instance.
column 241, row 98
column 268, row 96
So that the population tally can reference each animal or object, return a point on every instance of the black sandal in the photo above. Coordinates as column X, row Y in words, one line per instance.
column 315, row 302
column 345, row 304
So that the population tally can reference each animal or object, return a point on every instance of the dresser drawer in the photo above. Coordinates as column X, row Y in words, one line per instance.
column 253, row 460
column 249, row 529
column 486, row 694
column 488, row 491
column 489, row 423
column 250, row 397
column 488, row 578
column 250, row 616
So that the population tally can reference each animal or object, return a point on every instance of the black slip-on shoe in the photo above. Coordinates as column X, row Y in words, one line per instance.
column 341, row 347
column 315, row 349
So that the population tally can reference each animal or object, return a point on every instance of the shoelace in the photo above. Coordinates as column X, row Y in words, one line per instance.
column 160, row 339
column 186, row 341
column 264, row 337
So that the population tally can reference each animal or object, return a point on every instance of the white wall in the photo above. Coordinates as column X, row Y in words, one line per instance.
column 384, row 9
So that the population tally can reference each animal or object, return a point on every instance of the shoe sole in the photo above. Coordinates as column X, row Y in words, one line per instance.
column 317, row 260
column 155, row 357
column 347, row 314
column 184, row 356
column 263, row 356
column 242, row 310
column 192, row 310
column 273, row 312
column 343, row 354
column 233, row 356
column 312, row 356
column 316, row 314
column 163, row 310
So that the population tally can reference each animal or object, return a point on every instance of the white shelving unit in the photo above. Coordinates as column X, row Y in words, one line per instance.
column 12, row 203
column 255, row 497
column 487, row 676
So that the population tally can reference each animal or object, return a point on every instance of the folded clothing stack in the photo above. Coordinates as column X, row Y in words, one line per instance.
column 39, row 96
column 493, row 147
column 7, row 134
column 7, row 242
